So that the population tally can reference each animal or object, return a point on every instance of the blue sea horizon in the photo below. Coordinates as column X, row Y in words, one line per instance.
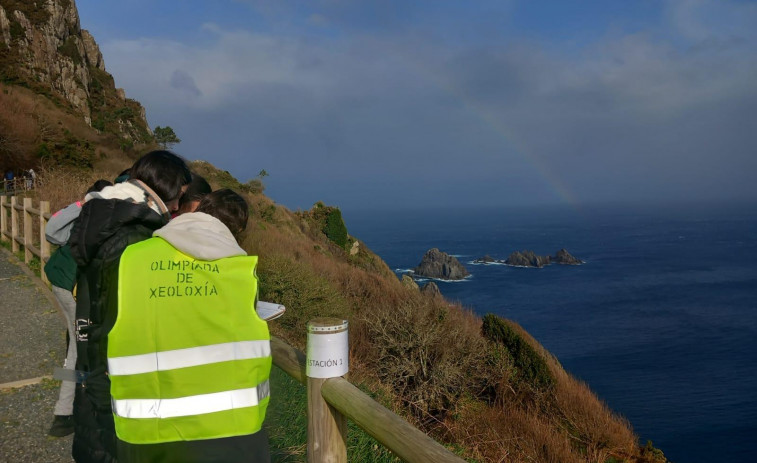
column 660, row 321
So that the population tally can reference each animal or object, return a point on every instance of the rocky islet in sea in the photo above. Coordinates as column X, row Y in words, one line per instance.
column 440, row 265
column 531, row 259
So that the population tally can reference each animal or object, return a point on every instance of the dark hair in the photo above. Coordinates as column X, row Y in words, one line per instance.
column 228, row 207
column 162, row 171
column 98, row 186
column 197, row 190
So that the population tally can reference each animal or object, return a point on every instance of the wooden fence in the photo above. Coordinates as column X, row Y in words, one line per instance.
column 331, row 401
column 19, row 184
column 17, row 224
column 334, row 400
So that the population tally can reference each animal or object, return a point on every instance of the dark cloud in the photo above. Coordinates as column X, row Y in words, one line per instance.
column 387, row 119
column 181, row 80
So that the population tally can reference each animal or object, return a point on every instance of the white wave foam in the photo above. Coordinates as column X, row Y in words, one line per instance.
column 473, row 262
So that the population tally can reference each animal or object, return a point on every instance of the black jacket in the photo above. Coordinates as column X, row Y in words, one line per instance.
column 103, row 230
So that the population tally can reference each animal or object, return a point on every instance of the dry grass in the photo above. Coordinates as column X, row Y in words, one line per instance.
column 591, row 425
column 64, row 186
column 511, row 434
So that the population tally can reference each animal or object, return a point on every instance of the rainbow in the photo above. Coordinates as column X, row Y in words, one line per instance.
column 561, row 191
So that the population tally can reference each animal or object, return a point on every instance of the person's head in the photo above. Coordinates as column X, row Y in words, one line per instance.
column 165, row 173
column 228, row 207
column 196, row 190
column 98, row 186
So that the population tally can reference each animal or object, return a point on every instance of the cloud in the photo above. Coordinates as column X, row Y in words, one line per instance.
column 707, row 20
column 655, row 112
column 182, row 81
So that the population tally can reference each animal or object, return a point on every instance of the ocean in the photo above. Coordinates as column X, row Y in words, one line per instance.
column 660, row 320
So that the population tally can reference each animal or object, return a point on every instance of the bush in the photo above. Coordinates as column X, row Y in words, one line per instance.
column 335, row 229
column 305, row 294
column 428, row 353
column 69, row 49
column 329, row 221
column 530, row 366
column 71, row 152
column 254, row 186
column 652, row 454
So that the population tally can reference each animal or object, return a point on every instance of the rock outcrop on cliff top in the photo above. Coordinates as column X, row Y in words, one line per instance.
column 43, row 47
column 409, row 283
column 438, row 264
column 431, row 289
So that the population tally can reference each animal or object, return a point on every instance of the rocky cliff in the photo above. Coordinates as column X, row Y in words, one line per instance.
column 44, row 48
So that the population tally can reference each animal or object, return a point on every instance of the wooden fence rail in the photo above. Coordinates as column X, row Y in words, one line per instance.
column 407, row 442
column 21, row 230
column 331, row 401
column 18, row 184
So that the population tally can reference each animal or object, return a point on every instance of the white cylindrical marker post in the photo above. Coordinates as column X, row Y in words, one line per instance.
column 327, row 357
column 328, row 352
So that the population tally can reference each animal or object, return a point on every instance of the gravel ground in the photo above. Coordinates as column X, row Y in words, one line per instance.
column 24, row 420
column 32, row 344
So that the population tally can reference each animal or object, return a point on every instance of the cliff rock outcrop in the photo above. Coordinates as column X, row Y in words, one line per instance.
column 438, row 264
column 43, row 47
column 431, row 289
column 409, row 283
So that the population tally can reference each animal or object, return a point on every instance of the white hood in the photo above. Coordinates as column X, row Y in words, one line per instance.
column 201, row 236
column 127, row 191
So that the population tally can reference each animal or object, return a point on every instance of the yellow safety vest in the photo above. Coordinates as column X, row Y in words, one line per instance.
column 188, row 357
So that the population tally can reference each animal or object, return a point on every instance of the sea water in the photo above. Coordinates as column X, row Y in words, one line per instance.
column 660, row 321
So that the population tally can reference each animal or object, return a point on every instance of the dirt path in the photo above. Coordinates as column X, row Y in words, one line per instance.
column 32, row 345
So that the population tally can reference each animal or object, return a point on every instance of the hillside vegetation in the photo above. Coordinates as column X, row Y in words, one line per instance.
column 484, row 387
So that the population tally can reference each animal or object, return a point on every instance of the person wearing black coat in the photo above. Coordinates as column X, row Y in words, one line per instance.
column 111, row 220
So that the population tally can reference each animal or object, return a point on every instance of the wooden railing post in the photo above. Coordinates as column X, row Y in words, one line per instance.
column 327, row 357
column 14, row 224
column 44, row 245
column 28, row 243
column 3, row 218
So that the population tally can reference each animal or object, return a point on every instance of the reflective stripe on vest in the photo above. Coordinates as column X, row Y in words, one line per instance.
column 188, row 356
column 193, row 405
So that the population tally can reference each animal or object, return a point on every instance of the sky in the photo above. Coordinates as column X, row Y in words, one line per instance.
column 395, row 104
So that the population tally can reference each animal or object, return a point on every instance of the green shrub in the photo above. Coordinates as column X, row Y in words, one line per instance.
column 35, row 12
column 305, row 294
column 71, row 152
column 268, row 213
column 529, row 365
column 652, row 454
column 335, row 229
column 69, row 49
